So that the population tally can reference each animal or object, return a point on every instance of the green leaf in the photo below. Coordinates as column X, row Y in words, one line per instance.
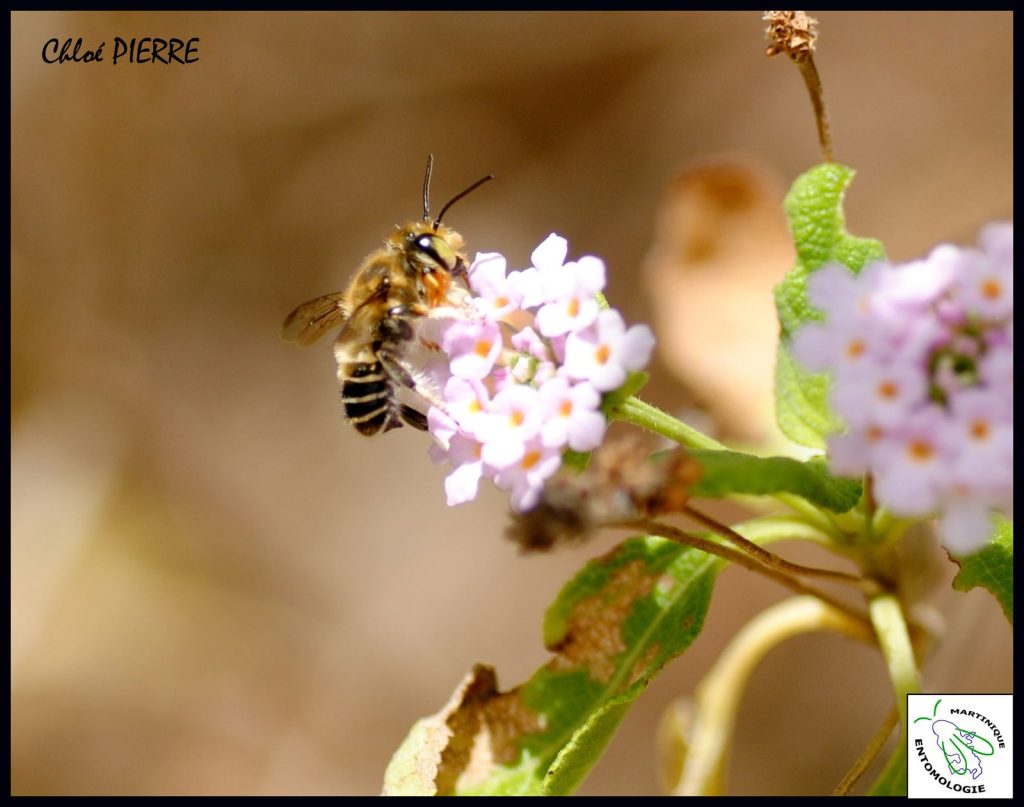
column 892, row 781
column 585, row 747
column 611, row 629
column 724, row 473
column 801, row 402
column 814, row 209
column 991, row 568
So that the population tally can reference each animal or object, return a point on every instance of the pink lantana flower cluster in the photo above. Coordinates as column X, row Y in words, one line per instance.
column 922, row 362
column 528, row 361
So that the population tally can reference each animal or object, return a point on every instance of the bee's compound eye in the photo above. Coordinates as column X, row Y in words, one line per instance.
column 427, row 255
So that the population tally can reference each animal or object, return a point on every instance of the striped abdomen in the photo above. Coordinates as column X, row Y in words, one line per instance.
column 370, row 398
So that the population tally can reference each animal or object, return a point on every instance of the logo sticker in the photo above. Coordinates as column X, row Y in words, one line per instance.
column 959, row 746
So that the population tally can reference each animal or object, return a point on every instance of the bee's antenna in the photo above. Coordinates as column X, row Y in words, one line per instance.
column 470, row 189
column 426, row 187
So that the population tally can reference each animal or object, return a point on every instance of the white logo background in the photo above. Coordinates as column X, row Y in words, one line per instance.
column 924, row 719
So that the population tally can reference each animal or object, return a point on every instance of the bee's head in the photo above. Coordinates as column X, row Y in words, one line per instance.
column 429, row 249
column 431, row 255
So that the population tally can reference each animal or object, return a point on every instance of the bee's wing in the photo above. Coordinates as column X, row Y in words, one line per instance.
column 313, row 319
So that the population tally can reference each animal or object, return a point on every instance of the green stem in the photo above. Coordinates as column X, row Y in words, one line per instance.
column 894, row 639
column 718, row 696
column 633, row 410
column 642, row 414
column 887, row 528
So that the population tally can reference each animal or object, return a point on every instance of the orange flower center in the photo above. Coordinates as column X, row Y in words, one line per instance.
column 531, row 459
column 516, row 418
column 602, row 354
column 854, row 348
column 475, row 406
column 992, row 289
column 565, row 409
column 979, row 429
column 483, row 348
column 887, row 389
column 573, row 308
column 920, row 451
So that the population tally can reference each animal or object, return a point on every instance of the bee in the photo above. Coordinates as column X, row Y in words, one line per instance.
column 395, row 288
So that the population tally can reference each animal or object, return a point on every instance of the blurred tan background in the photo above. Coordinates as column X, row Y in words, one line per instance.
column 217, row 586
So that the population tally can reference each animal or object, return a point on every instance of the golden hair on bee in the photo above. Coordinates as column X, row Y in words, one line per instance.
column 394, row 289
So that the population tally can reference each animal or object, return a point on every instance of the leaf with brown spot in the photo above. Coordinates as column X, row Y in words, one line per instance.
column 612, row 628
column 440, row 744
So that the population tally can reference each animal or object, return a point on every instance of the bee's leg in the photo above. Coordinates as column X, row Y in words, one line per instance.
column 401, row 373
column 396, row 368
column 395, row 328
column 392, row 423
column 414, row 417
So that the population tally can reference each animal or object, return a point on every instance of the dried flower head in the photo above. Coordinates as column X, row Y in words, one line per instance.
column 793, row 33
column 790, row 32
column 623, row 482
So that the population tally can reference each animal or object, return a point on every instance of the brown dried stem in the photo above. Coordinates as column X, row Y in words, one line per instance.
column 793, row 33
column 681, row 536
column 868, row 755
column 774, row 561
